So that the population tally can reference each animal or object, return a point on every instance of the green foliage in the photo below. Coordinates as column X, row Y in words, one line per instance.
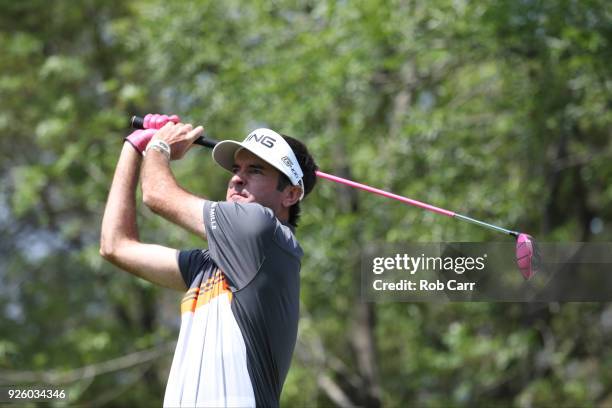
column 495, row 109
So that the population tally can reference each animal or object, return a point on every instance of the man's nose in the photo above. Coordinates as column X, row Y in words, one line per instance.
column 237, row 179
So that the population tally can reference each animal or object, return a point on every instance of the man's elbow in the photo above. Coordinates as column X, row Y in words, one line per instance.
column 152, row 198
column 153, row 195
column 110, row 249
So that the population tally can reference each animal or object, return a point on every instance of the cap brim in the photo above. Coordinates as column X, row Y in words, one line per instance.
column 224, row 152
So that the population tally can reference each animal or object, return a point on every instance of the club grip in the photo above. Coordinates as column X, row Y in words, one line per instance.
column 137, row 122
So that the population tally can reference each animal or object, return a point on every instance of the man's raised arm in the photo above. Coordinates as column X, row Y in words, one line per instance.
column 160, row 191
column 119, row 242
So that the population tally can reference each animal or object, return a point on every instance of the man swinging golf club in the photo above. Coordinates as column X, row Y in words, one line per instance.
column 240, row 311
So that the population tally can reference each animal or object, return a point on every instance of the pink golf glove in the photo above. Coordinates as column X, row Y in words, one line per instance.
column 156, row 121
column 140, row 138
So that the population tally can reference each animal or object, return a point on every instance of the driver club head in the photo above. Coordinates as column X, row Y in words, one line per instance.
column 527, row 255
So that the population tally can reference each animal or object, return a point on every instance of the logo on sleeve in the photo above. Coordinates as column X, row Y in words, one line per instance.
column 213, row 216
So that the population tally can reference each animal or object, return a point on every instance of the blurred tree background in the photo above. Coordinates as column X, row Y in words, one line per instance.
column 497, row 109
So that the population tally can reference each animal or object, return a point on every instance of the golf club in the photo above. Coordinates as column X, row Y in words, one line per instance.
column 527, row 253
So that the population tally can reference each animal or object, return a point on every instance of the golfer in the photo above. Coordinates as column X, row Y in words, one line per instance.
column 239, row 314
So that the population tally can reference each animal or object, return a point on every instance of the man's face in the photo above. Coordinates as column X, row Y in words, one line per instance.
column 254, row 180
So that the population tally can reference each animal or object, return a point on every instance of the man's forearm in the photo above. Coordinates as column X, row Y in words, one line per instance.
column 162, row 194
column 158, row 183
column 119, row 221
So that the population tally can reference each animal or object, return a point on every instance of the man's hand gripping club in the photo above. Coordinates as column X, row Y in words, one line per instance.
column 178, row 137
column 139, row 139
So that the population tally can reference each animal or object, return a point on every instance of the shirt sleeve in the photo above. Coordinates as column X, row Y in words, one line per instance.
column 238, row 235
column 191, row 262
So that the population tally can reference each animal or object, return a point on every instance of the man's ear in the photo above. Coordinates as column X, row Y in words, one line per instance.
column 291, row 195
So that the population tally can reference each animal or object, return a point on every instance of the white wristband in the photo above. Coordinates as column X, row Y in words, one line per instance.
column 160, row 146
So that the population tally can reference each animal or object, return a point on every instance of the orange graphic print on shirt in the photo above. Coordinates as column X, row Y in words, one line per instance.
column 213, row 287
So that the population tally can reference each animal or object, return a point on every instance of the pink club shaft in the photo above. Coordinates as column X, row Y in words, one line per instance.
column 385, row 194
column 415, row 203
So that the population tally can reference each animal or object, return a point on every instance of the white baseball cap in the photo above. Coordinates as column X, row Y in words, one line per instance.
column 268, row 146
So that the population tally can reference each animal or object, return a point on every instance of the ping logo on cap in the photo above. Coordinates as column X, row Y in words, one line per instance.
column 265, row 140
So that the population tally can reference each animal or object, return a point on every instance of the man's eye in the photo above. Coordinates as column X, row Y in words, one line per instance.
column 256, row 171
